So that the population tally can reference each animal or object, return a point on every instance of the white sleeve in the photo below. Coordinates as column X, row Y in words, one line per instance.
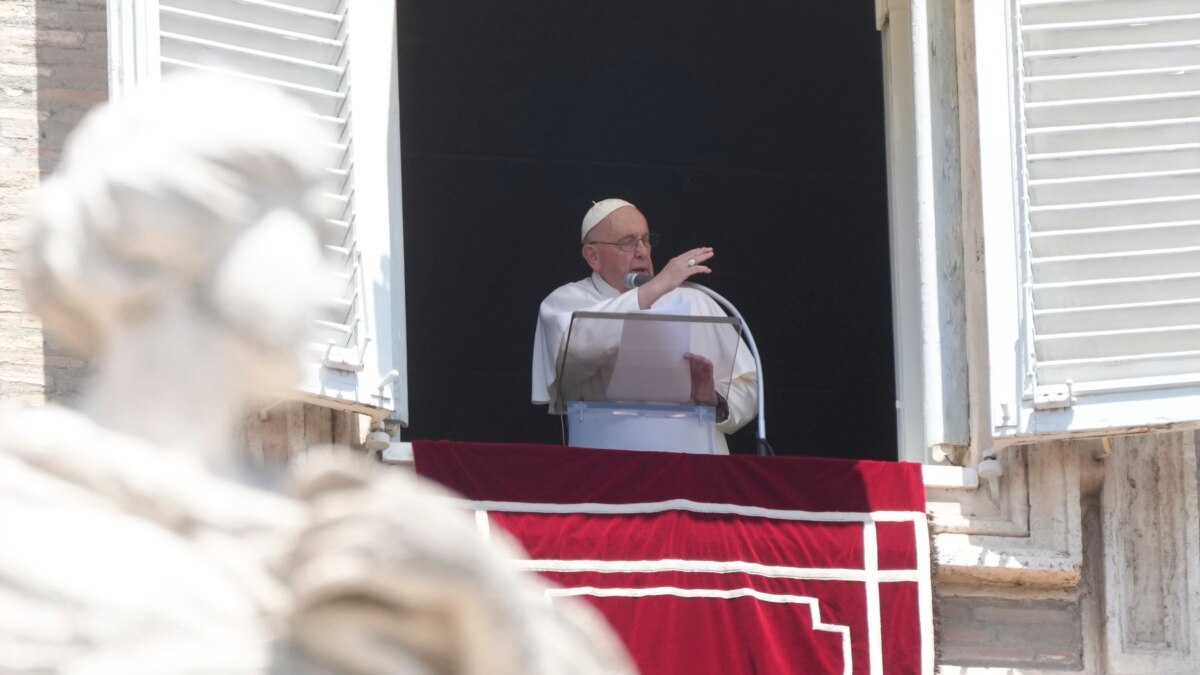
column 742, row 402
column 554, row 318
column 742, row 398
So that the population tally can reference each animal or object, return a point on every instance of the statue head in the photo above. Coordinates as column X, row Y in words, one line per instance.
column 197, row 196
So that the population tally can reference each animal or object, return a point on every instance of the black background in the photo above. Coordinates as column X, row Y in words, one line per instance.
column 755, row 127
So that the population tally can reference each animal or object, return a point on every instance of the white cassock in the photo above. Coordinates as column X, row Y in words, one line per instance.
column 593, row 294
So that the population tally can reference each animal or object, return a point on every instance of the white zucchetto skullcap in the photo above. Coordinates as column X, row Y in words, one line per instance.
column 599, row 212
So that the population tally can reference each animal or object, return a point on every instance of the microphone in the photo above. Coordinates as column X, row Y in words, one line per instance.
column 633, row 279
column 764, row 448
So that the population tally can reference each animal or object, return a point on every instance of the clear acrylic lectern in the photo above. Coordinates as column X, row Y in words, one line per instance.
column 623, row 382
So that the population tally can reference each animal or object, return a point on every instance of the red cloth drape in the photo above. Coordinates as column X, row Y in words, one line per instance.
column 721, row 565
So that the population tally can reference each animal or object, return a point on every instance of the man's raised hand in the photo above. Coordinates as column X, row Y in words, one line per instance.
column 677, row 270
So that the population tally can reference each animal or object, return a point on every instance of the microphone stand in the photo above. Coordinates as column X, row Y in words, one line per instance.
column 764, row 448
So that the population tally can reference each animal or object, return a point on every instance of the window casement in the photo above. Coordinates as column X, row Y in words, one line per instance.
column 339, row 58
column 1094, row 285
column 1044, row 182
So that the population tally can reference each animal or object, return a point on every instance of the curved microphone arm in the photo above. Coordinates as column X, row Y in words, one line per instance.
column 764, row 448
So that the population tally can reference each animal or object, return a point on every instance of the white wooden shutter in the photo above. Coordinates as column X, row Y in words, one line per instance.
column 1110, row 240
column 305, row 47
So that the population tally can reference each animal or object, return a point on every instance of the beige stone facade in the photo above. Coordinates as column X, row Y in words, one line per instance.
column 1086, row 560
column 53, row 69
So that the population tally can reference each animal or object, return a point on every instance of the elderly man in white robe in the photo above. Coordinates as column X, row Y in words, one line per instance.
column 616, row 241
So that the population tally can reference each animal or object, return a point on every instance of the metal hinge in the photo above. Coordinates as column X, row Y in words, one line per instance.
column 1053, row 396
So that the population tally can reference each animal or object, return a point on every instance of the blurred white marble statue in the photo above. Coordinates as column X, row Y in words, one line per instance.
column 176, row 247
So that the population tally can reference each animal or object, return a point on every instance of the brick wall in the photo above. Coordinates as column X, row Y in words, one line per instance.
column 21, row 360
column 53, row 69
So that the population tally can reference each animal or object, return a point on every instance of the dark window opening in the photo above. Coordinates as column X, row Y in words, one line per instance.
column 756, row 128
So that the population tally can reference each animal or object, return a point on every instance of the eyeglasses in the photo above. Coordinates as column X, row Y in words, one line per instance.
column 629, row 244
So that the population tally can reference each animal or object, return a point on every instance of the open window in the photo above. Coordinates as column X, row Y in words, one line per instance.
column 1044, row 186
column 346, row 73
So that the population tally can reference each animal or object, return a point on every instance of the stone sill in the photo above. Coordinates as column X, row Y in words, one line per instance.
column 398, row 453
column 949, row 477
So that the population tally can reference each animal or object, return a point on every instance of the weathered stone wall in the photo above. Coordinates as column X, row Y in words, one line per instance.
column 21, row 360
column 1132, row 537
column 286, row 430
column 1011, row 633
column 53, row 69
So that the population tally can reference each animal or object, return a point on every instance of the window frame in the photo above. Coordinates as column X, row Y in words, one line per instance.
column 931, row 315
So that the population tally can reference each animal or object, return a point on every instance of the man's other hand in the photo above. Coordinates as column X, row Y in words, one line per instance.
column 704, row 390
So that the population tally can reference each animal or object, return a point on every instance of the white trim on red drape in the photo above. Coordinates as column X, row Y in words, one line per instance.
column 695, row 507
column 813, row 605
column 870, row 576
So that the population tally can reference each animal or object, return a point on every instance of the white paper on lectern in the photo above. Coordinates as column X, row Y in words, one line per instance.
column 650, row 364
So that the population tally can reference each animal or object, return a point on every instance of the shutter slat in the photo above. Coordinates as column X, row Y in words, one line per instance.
column 269, row 15
column 339, row 206
column 252, row 61
column 339, row 178
column 339, row 306
column 1121, row 187
column 318, row 351
column 336, row 124
column 1119, row 343
column 236, row 27
column 320, row 100
column 1098, row 163
column 310, row 47
column 1165, row 133
column 1144, row 30
column 1124, row 265
column 1101, row 240
column 1036, row 12
column 323, row 6
column 341, row 199
column 1113, row 109
column 1145, row 16
column 1111, row 317
column 331, row 333
column 1113, row 213
column 1101, row 374
column 1180, row 53
column 329, row 10
column 1096, row 85
column 1118, row 291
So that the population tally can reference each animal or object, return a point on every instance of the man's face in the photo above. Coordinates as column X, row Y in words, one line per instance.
column 623, row 225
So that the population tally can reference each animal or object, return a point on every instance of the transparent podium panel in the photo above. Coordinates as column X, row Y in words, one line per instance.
column 625, row 382
column 618, row 426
